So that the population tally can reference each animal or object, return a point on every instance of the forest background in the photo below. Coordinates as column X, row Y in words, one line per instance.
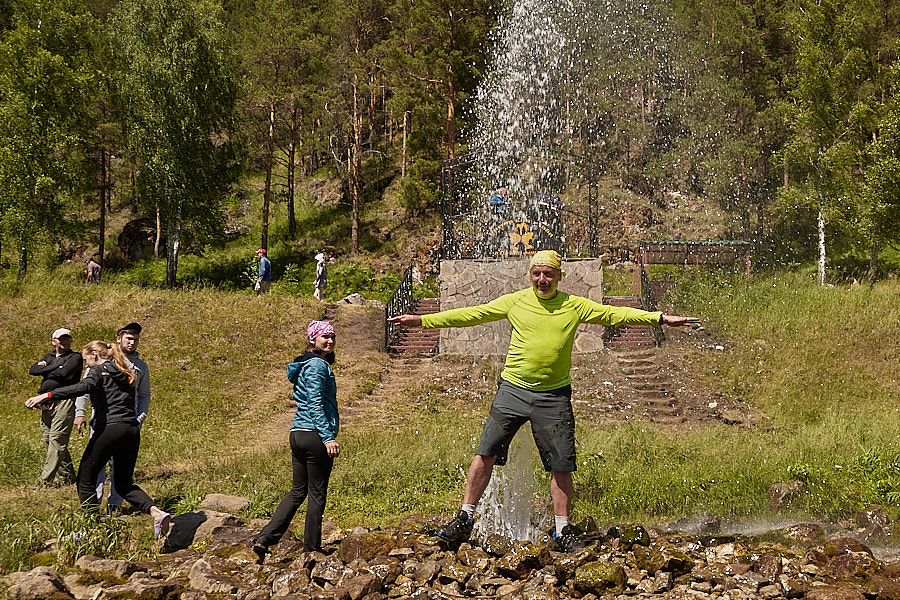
column 332, row 120
column 780, row 115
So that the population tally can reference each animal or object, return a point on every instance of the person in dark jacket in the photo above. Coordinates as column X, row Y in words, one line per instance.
column 110, row 383
column 60, row 367
column 313, row 440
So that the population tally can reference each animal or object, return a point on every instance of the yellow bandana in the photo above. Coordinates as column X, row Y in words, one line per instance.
column 547, row 258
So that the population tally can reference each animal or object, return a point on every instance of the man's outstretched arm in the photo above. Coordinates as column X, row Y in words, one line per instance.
column 406, row 320
column 676, row 321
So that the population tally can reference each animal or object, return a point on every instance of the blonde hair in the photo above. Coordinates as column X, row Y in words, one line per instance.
column 107, row 351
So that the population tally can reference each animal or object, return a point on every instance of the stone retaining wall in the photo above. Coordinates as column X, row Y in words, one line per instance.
column 471, row 282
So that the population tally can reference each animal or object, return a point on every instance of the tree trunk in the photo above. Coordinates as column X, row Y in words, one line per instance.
column 821, row 225
column 104, row 198
column 23, row 263
column 267, row 194
column 158, row 233
column 173, row 245
column 873, row 262
column 355, row 167
column 451, row 118
column 291, row 158
column 404, row 157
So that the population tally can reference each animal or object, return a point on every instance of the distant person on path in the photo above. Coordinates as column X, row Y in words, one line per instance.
column 92, row 271
column 127, row 339
column 116, row 435
column 313, row 440
column 59, row 368
column 535, row 384
column 497, row 203
column 264, row 279
column 321, row 275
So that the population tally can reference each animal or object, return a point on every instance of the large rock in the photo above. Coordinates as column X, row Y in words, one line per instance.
column 194, row 527
column 852, row 564
column 331, row 570
column 599, row 578
column 40, row 583
column 834, row 592
column 205, row 578
column 882, row 588
column 768, row 566
column 290, row 581
column 361, row 586
column 141, row 588
column 520, row 560
column 224, row 503
column 366, row 545
column 103, row 566
column 648, row 559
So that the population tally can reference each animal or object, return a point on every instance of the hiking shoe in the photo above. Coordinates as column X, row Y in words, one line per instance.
column 566, row 541
column 261, row 550
column 458, row 530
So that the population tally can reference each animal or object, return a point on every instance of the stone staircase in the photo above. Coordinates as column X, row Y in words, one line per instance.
column 629, row 336
column 654, row 390
column 415, row 339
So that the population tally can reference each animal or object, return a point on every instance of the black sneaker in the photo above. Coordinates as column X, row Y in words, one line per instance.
column 458, row 530
column 566, row 541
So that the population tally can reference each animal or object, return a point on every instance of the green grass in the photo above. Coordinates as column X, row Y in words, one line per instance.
column 820, row 363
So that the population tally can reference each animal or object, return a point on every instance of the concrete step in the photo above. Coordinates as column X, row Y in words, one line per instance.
column 418, row 340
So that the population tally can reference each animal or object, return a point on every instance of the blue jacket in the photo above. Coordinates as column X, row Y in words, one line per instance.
column 315, row 393
column 265, row 269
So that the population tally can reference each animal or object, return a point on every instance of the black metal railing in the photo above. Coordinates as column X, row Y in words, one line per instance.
column 649, row 302
column 401, row 302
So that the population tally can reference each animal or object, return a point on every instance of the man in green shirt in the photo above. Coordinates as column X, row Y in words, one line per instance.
column 535, row 384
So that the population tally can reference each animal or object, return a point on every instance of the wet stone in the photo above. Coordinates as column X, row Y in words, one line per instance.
column 366, row 545
column 290, row 581
column 768, row 566
column 455, row 572
column 834, row 592
column 330, row 570
column 792, row 588
column 599, row 578
column 421, row 573
column 634, row 535
column 519, row 561
column 649, row 559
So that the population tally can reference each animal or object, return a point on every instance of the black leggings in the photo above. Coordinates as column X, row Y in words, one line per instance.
column 311, row 468
column 119, row 441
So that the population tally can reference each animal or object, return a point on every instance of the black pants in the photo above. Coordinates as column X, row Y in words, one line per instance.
column 311, row 469
column 119, row 441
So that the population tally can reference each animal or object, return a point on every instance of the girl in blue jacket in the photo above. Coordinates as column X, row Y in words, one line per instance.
column 313, row 440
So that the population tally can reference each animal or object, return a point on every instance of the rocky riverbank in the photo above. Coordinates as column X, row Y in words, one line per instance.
column 209, row 557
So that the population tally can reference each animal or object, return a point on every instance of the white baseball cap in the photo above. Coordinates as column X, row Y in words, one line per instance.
column 61, row 332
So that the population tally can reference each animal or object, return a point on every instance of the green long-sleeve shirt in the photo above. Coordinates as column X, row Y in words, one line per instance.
column 543, row 331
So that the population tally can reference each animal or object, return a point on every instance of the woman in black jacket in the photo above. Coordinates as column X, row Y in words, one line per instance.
column 110, row 383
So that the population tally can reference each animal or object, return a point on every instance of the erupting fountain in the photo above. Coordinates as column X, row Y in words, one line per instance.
column 554, row 97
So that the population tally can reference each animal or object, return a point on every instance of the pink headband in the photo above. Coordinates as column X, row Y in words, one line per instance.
column 317, row 328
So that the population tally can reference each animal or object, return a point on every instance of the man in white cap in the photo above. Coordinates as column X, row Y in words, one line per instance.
column 60, row 367
column 535, row 383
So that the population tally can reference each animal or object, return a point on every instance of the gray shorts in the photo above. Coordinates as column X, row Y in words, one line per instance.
column 552, row 424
